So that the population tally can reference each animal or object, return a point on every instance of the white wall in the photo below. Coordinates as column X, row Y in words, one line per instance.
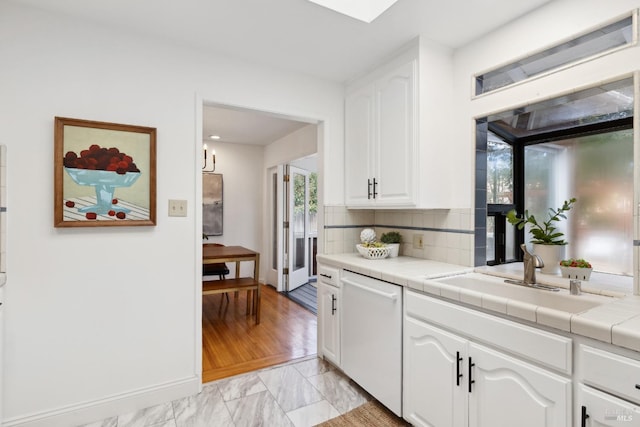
column 301, row 143
column 101, row 321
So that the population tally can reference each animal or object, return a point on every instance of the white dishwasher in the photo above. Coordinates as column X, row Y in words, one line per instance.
column 372, row 337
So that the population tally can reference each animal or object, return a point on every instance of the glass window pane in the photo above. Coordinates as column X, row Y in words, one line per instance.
column 499, row 170
column 491, row 230
column 510, row 242
column 274, row 225
column 313, row 204
column 607, row 102
column 598, row 171
column 598, row 41
column 299, row 216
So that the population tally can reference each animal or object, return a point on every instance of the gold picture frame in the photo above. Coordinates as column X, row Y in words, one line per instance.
column 105, row 174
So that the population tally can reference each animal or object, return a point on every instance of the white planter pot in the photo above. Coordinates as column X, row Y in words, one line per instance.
column 394, row 249
column 576, row 273
column 551, row 256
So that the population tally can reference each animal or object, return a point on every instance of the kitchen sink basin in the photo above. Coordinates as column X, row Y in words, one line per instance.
column 496, row 286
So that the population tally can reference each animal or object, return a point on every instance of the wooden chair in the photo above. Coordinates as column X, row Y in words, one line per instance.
column 218, row 269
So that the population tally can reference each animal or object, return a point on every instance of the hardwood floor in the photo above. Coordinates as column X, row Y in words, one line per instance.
column 233, row 344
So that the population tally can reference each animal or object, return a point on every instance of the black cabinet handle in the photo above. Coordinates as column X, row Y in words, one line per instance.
column 458, row 374
column 333, row 304
column 375, row 184
column 638, row 386
column 368, row 188
column 328, row 276
column 471, row 365
column 583, row 419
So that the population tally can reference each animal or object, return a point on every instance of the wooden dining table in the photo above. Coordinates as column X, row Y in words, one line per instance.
column 220, row 254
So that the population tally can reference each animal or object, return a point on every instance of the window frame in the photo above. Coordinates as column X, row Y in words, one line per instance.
column 518, row 172
column 476, row 91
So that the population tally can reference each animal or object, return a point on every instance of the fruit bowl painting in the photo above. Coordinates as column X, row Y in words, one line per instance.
column 105, row 183
column 105, row 174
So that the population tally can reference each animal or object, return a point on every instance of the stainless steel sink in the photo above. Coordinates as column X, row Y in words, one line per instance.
column 560, row 300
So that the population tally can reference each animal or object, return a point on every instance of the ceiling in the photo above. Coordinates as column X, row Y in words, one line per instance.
column 245, row 126
column 295, row 35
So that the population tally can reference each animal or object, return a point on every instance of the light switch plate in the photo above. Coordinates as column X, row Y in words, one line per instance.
column 177, row 208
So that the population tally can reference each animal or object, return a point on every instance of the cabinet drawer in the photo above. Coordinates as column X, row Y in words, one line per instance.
column 551, row 350
column 604, row 409
column 328, row 275
column 616, row 374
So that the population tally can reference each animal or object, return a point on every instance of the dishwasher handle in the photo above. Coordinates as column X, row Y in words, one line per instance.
column 390, row 295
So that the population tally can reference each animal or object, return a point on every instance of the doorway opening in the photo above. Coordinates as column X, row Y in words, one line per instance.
column 248, row 146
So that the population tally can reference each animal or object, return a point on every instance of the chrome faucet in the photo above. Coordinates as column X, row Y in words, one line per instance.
column 531, row 262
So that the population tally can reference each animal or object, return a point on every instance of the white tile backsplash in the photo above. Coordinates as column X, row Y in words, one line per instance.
column 447, row 234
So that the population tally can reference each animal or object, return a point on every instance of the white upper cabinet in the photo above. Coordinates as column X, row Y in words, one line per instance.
column 359, row 125
column 392, row 154
column 395, row 136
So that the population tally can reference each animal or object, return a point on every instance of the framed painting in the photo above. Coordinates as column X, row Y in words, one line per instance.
column 105, row 174
column 212, row 204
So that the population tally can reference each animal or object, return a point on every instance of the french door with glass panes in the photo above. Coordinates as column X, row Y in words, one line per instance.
column 297, row 233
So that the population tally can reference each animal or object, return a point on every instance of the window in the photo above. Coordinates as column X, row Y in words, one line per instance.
column 500, row 238
column 602, row 40
column 598, row 171
column 580, row 145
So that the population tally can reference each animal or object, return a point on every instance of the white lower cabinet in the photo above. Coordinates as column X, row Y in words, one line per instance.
column 508, row 392
column 329, row 298
column 609, row 392
column 596, row 408
column 450, row 380
column 434, row 387
column 329, row 322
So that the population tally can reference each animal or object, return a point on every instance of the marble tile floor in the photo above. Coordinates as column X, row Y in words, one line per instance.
column 296, row 394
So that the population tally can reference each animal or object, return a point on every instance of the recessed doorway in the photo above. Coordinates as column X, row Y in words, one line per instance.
column 248, row 144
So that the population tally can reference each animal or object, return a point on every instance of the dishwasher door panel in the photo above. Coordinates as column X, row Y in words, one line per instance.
column 372, row 337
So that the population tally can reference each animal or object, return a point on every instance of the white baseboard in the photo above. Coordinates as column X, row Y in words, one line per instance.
column 97, row 410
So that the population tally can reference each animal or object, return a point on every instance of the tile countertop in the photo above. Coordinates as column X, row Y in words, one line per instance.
column 616, row 322
column 400, row 270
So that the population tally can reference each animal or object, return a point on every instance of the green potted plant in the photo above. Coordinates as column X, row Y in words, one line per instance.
column 548, row 242
column 393, row 240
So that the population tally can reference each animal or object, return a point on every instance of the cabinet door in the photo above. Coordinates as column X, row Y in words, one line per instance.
column 329, row 322
column 605, row 410
column 507, row 392
column 358, row 147
column 396, row 137
column 434, row 395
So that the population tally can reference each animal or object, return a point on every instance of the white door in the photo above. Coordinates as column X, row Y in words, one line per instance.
column 297, row 252
column 507, row 392
column 275, row 262
column 435, row 376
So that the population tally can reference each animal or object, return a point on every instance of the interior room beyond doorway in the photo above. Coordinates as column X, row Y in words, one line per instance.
column 245, row 143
